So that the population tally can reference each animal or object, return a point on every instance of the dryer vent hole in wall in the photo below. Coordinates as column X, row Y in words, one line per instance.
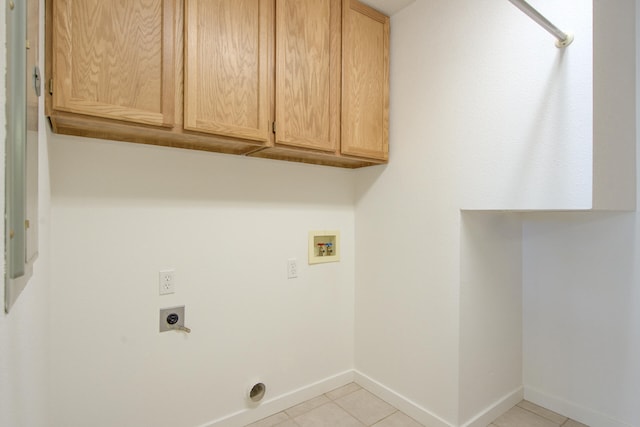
column 256, row 393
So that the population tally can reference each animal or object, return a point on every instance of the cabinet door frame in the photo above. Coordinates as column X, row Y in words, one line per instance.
column 63, row 98
column 370, row 146
column 264, row 79
column 288, row 99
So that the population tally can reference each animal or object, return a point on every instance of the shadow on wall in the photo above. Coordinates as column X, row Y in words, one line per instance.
column 550, row 113
column 582, row 299
column 490, row 311
column 93, row 169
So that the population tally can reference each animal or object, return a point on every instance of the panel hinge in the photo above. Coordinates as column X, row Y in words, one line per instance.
column 51, row 86
column 273, row 127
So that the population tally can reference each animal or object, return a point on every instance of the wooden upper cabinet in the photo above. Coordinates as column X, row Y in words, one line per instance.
column 308, row 73
column 365, row 84
column 217, row 74
column 229, row 67
column 114, row 59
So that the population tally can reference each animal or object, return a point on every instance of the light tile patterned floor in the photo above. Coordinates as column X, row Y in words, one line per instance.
column 353, row 406
column 527, row 414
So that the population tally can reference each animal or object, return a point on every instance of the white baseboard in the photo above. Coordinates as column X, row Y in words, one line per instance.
column 493, row 411
column 422, row 415
column 282, row 402
column 415, row 411
column 568, row 409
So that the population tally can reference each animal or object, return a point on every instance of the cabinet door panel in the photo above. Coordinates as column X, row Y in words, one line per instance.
column 365, row 90
column 114, row 59
column 308, row 73
column 228, row 76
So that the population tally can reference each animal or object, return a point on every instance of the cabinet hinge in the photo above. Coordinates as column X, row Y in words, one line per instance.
column 273, row 127
column 51, row 86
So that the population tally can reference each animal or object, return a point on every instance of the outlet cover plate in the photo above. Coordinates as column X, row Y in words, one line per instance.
column 292, row 268
column 167, row 282
column 165, row 312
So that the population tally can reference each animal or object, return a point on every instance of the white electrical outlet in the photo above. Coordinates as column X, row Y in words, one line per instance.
column 167, row 282
column 292, row 268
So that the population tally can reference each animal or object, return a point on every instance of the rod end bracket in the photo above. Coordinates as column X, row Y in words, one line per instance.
column 560, row 44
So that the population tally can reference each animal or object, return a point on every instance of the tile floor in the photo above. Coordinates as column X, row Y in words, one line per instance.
column 353, row 406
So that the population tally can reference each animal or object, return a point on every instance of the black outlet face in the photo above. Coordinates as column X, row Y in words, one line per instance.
column 173, row 318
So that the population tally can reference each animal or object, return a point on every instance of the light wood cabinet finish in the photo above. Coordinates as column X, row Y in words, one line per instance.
column 365, row 84
column 215, row 74
column 228, row 67
column 308, row 73
column 114, row 60
column 97, row 126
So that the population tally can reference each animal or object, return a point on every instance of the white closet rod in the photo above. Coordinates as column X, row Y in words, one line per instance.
column 564, row 39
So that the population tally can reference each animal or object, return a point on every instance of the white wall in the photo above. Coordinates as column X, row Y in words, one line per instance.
column 581, row 316
column 407, row 230
column 485, row 114
column 490, row 315
column 541, row 128
column 23, row 332
column 614, row 105
column 519, row 110
column 582, row 313
column 227, row 224
column 121, row 212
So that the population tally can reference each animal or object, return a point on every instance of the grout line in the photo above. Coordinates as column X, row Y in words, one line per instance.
column 382, row 419
column 308, row 410
column 341, row 396
column 330, row 400
column 570, row 419
column 537, row 415
column 545, row 418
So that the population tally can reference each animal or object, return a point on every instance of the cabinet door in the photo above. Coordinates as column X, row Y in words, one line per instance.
column 308, row 73
column 114, row 59
column 365, row 86
column 229, row 67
